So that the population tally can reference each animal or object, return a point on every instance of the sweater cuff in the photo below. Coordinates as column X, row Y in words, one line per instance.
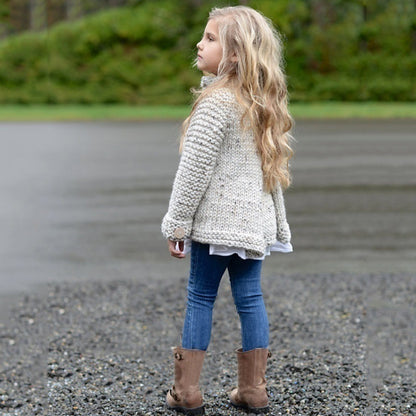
column 176, row 230
column 283, row 233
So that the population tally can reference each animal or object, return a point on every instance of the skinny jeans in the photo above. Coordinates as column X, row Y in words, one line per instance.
column 204, row 279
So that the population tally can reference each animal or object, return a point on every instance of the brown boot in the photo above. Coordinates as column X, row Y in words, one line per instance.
column 251, row 392
column 185, row 395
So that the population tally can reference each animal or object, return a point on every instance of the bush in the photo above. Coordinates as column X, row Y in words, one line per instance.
column 395, row 89
column 143, row 55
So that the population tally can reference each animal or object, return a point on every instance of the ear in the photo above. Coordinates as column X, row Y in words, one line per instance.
column 234, row 58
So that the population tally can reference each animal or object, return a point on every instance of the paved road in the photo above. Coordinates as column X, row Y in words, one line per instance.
column 84, row 201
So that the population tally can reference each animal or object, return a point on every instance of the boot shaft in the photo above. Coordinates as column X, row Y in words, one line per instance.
column 251, row 391
column 188, row 366
column 185, row 395
column 252, row 367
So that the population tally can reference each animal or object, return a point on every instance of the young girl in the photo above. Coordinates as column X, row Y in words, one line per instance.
column 226, row 205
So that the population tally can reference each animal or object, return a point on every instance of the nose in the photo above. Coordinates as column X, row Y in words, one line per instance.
column 199, row 45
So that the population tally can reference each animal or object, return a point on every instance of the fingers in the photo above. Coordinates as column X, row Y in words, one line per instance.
column 176, row 249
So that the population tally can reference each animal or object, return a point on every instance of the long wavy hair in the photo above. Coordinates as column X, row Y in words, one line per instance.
column 252, row 67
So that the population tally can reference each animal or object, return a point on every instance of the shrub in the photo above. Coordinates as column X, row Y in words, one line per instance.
column 143, row 54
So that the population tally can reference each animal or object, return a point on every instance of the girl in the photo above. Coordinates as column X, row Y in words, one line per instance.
column 226, row 205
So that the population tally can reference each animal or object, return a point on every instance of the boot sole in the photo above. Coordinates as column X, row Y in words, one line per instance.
column 196, row 411
column 255, row 410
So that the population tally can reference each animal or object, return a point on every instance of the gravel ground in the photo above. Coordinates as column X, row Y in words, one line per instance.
column 342, row 344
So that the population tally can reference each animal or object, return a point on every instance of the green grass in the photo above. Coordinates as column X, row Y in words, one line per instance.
column 370, row 110
column 321, row 110
column 90, row 112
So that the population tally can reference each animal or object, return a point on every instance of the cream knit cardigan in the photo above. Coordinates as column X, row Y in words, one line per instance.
column 217, row 196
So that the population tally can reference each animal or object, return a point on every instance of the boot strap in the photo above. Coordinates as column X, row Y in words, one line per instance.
column 173, row 393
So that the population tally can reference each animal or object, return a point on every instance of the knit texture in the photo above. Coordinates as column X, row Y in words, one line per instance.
column 218, row 195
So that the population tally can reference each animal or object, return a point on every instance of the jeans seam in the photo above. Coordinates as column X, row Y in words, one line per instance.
column 195, row 259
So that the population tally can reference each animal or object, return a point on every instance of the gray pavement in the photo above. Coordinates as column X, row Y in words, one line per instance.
column 84, row 201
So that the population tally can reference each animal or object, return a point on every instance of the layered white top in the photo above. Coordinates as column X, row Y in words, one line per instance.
column 221, row 250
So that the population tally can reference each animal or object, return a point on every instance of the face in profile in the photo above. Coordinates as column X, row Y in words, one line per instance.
column 209, row 49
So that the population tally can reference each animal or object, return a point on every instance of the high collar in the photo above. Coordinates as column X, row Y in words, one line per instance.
column 207, row 80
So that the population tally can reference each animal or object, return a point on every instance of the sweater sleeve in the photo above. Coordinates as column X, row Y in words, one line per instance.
column 283, row 229
column 202, row 144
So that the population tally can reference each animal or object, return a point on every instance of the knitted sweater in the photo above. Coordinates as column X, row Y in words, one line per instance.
column 218, row 195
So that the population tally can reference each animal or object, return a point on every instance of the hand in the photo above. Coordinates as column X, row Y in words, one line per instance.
column 174, row 252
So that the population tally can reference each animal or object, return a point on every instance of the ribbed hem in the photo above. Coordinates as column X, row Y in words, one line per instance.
column 254, row 246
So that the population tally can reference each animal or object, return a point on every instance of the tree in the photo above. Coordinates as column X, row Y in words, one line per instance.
column 37, row 14
column 73, row 8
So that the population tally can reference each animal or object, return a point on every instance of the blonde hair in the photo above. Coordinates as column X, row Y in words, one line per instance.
column 251, row 66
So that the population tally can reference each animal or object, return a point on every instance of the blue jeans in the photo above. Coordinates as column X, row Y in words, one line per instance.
column 204, row 279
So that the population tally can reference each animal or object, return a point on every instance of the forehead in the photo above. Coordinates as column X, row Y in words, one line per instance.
column 212, row 27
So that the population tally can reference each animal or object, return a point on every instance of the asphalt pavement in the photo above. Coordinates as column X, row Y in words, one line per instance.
column 84, row 201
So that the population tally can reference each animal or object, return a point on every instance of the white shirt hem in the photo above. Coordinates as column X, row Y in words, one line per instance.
column 222, row 250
